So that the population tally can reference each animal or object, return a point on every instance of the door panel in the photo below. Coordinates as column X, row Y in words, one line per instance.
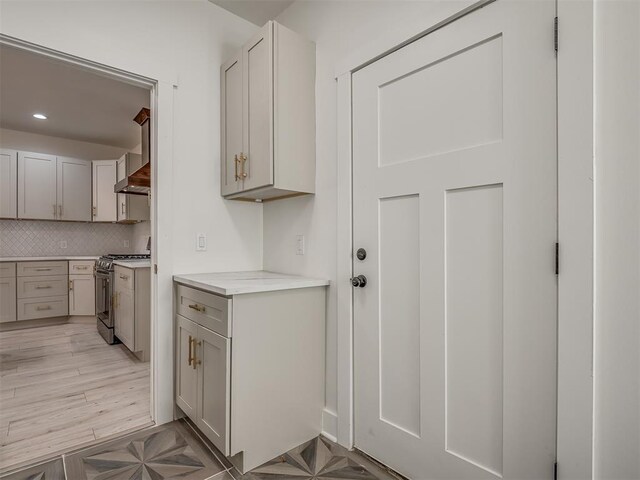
column 213, row 359
column 455, row 202
column 8, row 183
column 231, row 88
column 74, row 189
column 186, row 374
column 37, row 186
column 257, row 58
column 104, row 198
column 81, row 295
column 7, row 300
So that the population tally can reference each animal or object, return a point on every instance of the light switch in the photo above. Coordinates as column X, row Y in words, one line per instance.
column 63, row 244
column 126, row 243
column 201, row 242
column 299, row 244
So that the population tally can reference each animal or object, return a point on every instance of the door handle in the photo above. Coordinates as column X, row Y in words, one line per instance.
column 94, row 211
column 359, row 281
column 235, row 164
column 190, row 359
column 197, row 307
column 243, row 160
column 70, row 285
column 195, row 361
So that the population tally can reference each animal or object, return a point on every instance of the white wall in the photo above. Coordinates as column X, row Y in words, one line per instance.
column 181, row 44
column 346, row 33
column 32, row 142
column 617, row 272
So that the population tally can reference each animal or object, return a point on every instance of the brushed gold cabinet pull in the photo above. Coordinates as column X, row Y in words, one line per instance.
column 196, row 307
column 190, row 359
column 60, row 211
column 243, row 161
column 54, row 211
column 48, row 307
column 70, row 285
column 94, row 211
column 42, row 287
column 124, row 277
column 195, row 361
column 236, row 160
column 42, row 269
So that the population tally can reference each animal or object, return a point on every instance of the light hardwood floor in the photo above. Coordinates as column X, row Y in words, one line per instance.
column 62, row 386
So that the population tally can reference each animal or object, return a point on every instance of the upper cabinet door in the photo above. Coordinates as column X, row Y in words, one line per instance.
column 104, row 198
column 256, row 166
column 8, row 183
column 231, row 125
column 37, row 186
column 74, row 189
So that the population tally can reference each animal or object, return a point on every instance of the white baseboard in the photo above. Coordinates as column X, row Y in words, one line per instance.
column 330, row 425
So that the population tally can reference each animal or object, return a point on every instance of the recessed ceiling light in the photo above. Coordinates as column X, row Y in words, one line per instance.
column 40, row 116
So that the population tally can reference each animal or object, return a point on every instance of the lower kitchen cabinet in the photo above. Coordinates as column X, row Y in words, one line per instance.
column 82, row 295
column 41, row 289
column 7, row 292
column 131, row 309
column 249, row 368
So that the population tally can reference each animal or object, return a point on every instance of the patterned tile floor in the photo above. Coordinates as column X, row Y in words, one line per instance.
column 176, row 451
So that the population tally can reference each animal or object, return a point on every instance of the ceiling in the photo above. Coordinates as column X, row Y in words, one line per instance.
column 255, row 11
column 79, row 104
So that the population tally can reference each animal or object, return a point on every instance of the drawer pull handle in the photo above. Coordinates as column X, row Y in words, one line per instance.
column 40, row 287
column 42, row 269
column 124, row 277
column 81, row 267
column 196, row 307
column 48, row 307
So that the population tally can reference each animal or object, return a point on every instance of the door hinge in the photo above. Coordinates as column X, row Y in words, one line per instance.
column 555, row 471
column 557, row 258
column 555, row 34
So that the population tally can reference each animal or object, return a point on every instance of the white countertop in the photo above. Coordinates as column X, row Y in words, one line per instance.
column 237, row 283
column 133, row 263
column 53, row 257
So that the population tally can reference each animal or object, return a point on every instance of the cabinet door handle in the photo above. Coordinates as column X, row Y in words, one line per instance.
column 60, row 211
column 48, row 307
column 94, row 211
column 55, row 208
column 122, row 208
column 197, row 307
column 194, row 360
column 236, row 160
column 70, row 285
column 41, row 287
column 124, row 277
column 243, row 161
column 190, row 359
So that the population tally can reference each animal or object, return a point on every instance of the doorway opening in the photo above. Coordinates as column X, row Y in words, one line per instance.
column 73, row 375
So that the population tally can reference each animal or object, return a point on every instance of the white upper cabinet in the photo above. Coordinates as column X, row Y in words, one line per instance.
column 74, row 189
column 268, row 117
column 104, row 198
column 131, row 208
column 37, row 187
column 8, row 183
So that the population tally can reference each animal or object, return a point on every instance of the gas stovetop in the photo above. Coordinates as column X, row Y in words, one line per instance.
column 106, row 261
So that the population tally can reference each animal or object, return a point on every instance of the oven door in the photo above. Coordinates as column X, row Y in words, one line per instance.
column 103, row 298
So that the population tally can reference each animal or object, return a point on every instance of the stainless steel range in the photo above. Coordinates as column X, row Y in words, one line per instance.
column 104, row 293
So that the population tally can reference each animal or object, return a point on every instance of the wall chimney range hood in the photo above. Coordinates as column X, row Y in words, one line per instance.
column 139, row 182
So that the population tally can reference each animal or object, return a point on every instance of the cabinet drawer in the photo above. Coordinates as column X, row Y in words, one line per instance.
column 43, row 286
column 7, row 270
column 209, row 310
column 30, row 308
column 29, row 269
column 123, row 278
column 81, row 267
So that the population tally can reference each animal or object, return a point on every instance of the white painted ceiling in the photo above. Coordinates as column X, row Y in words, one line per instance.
column 255, row 11
column 80, row 105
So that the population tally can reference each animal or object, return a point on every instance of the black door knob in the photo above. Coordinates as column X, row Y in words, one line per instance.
column 359, row 281
column 361, row 254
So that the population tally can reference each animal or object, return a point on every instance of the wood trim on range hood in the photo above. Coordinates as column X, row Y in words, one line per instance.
column 139, row 182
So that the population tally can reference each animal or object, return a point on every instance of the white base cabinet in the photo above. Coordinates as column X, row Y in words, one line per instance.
column 131, row 309
column 7, row 292
column 249, row 369
column 82, row 288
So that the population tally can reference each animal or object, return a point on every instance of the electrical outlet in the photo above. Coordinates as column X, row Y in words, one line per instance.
column 63, row 244
column 201, row 242
column 126, row 244
column 299, row 244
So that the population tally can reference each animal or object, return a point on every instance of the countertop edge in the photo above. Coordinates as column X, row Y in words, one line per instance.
column 301, row 283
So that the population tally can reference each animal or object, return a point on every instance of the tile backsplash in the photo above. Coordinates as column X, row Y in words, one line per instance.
column 35, row 238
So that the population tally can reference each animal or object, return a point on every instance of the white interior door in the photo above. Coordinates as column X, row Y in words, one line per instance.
column 454, row 198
